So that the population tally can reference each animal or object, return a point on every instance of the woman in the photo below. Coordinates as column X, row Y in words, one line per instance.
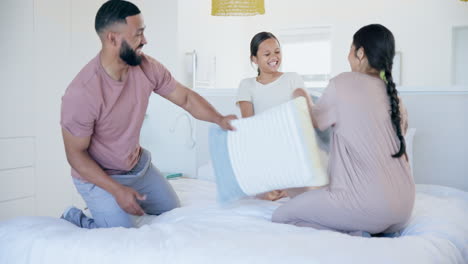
column 371, row 187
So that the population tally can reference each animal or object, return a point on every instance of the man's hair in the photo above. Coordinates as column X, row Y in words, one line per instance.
column 114, row 11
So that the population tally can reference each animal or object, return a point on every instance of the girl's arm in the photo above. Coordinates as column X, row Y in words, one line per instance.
column 246, row 109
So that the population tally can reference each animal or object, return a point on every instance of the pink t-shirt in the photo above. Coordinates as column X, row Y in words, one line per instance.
column 112, row 112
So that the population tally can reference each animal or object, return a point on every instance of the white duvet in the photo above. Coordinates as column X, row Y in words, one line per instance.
column 203, row 232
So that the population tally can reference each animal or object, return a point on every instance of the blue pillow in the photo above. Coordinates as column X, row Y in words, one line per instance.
column 228, row 188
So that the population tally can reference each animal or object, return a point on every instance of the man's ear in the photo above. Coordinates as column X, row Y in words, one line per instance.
column 111, row 38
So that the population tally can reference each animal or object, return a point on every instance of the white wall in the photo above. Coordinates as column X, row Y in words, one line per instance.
column 222, row 37
column 440, row 143
column 460, row 55
column 16, row 26
column 422, row 30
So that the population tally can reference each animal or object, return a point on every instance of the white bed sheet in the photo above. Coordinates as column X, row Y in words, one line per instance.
column 203, row 232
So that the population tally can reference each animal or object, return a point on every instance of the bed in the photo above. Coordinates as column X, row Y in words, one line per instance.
column 202, row 231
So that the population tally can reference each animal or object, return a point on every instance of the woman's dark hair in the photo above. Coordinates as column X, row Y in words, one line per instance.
column 379, row 46
column 257, row 40
column 114, row 11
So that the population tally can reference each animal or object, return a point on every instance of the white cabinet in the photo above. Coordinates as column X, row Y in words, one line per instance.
column 17, row 177
column 17, row 141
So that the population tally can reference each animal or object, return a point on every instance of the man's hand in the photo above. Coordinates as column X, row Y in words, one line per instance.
column 126, row 198
column 77, row 154
column 225, row 122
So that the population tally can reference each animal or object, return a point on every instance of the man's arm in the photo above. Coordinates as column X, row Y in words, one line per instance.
column 76, row 149
column 198, row 107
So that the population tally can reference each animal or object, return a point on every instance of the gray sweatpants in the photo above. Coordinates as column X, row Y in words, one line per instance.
column 145, row 178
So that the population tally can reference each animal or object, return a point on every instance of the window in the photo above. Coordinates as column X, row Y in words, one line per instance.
column 307, row 51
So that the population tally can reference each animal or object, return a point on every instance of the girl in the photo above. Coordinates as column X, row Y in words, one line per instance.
column 371, row 187
column 270, row 88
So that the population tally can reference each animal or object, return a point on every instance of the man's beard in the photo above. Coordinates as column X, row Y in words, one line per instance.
column 128, row 55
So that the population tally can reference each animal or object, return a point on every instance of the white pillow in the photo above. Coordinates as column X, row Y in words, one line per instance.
column 206, row 171
column 277, row 149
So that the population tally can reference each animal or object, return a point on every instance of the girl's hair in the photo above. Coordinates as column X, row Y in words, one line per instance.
column 379, row 46
column 257, row 40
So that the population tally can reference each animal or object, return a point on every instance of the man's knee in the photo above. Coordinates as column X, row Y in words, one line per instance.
column 114, row 218
column 161, row 207
column 173, row 204
column 115, row 223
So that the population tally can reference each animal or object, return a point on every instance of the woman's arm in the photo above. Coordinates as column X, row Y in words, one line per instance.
column 403, row 117
column 301, row 92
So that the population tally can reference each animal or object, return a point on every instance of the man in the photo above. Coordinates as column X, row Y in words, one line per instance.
column 102, row 114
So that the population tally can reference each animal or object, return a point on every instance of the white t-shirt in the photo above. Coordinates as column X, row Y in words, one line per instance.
column 265, row 96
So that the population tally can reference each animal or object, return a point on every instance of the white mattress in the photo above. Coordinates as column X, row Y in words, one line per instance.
column 203, row 232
